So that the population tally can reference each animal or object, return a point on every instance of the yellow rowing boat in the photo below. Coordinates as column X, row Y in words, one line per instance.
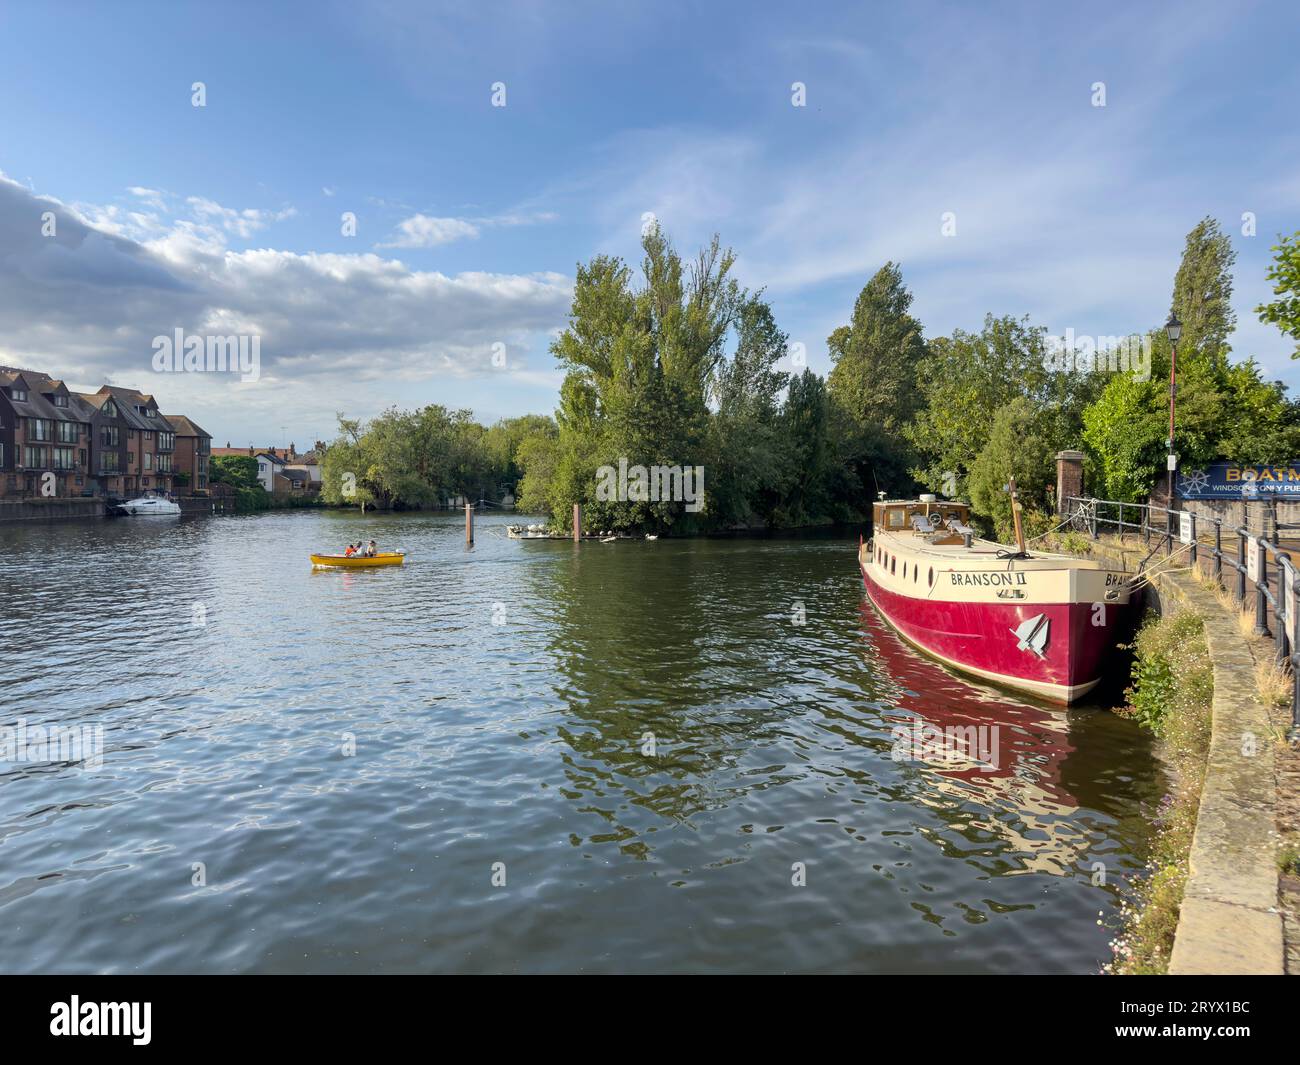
column 383, row 558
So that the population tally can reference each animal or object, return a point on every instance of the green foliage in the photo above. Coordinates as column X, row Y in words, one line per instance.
column 1017, row 447
column 876, row 356
column 967, row 378
column 1172, row 694
column 238, row 471
column 1203, row 292
column 1284, row 312
column 418, row 458
column 682, row 371
column 1171, row 672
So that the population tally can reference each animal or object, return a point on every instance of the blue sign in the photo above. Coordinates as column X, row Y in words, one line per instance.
column 1229, row 480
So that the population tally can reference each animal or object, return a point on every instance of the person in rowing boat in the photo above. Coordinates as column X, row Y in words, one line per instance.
column 372, row 549
column 350, row 551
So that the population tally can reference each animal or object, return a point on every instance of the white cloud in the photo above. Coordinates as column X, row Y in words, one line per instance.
column 337, row 329
column 425, row 231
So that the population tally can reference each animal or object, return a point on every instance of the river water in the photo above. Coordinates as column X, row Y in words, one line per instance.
column 528, row 757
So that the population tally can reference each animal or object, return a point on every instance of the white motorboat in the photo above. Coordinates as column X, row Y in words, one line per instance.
column 149, row 505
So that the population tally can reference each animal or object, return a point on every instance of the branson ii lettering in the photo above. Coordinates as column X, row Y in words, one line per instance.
column 102, row 1018
column 988, row 579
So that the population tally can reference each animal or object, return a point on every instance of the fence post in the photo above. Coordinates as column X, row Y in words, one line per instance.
column 1218, row 550
column 1169, row 532
column 1280, row 620
column 1293, row 624
column 1241, row 566
column 1261, row 586
column 1121, row 523
column 1193, row 517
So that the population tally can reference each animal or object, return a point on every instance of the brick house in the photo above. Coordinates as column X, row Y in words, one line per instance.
column 108, row 439
column 150, row 441
column 193, row 453
column 44, row 436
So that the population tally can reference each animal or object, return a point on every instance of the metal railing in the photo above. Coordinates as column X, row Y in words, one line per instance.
column 1258, row 560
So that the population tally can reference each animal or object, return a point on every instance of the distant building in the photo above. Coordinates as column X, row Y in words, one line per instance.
column 44, row 445
column 193, row 451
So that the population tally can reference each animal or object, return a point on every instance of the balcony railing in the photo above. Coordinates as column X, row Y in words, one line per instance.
column 1276, row 585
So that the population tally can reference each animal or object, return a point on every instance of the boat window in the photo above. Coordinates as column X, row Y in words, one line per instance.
column 904, row 571
column 893, row 564
column 896, row 517
column 915, row 572
column 932, row 575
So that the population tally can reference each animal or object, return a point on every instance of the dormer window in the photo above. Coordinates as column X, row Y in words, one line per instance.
column 60, row 401
column 19, row 395
column 110, row 408
column 146, row 411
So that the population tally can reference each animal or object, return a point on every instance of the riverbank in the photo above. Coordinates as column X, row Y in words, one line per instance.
column 1228, row 913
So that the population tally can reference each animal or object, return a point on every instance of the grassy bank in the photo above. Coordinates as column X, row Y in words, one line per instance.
column 1173, row 686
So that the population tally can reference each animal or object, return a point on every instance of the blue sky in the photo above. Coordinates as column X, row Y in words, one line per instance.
column 471, row 218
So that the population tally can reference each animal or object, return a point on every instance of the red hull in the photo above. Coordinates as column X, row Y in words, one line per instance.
column 980, row 638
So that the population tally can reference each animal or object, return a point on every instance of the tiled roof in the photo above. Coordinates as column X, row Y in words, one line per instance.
column 185, row 427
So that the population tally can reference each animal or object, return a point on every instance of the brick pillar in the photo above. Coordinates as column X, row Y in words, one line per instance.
column 1069, row 477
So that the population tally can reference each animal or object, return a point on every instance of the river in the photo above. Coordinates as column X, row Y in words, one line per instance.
column 678, row 756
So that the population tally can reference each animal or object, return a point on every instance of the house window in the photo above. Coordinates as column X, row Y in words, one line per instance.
column 148, row 435
column 109, row 435
column 166, row 441
column 67, row 432
column 34, row 458
column 144, row 481
column 164, row 464
column 148, row 460
column 81, row 457
column 60, row 401
column 18, row 395
column 108, row 462
column 110, row 408
column 40, row 429
column 63, row 458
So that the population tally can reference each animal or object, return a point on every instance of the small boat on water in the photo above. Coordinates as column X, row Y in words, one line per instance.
column 146, row 506
column 1038, row 622
column 384, row 558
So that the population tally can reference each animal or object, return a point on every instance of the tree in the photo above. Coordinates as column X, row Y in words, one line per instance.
column 967, row 378
column 1017, row 447
column 1284, row 312
column 237, row 471
column 1202, row 297
column 877, row 355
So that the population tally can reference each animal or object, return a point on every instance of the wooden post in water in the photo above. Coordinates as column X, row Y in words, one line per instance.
column 577, row 522
column 469, row 524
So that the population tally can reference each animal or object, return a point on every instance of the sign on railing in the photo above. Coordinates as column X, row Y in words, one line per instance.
column 1253, row 560
column 1184, row 528
column 1225, row 480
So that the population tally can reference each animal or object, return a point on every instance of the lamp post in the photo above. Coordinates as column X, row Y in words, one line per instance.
column 1173, row 330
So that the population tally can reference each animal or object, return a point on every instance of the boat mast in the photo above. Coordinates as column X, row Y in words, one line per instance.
column 1015, row 516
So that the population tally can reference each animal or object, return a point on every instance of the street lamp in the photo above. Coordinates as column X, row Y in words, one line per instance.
column 1173, row 330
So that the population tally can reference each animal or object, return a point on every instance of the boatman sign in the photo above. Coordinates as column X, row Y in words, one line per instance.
column 1225, row 480
column 1252, row 559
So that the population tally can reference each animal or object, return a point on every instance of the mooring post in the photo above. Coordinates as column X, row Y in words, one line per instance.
column 469, row 524
column 577, row 522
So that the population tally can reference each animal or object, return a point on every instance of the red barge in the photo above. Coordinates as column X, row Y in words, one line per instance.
column 1037, row 622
